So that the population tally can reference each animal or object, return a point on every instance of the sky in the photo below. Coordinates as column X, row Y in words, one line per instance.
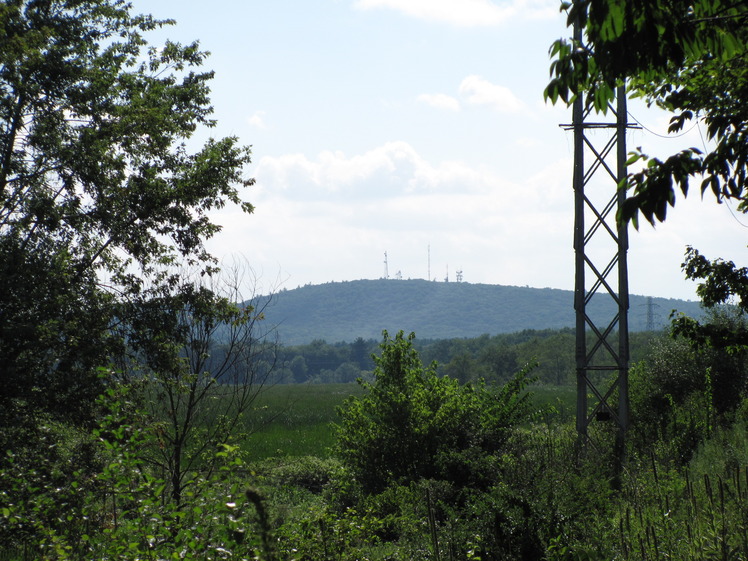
column 416, row 128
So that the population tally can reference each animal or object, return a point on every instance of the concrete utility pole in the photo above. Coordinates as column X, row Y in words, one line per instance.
column 601, row 271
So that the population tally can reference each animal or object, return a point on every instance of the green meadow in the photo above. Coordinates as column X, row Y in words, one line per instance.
column 297, row 419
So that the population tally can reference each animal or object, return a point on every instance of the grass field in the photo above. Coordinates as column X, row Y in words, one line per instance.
column 296, row 420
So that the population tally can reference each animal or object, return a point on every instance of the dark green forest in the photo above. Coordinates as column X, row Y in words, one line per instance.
column 344, row 311
column 492, row 358
column 138, row 378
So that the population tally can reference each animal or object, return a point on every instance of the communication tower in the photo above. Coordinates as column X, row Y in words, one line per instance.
column 386, row 267
column 429, row 270
column 458, row 274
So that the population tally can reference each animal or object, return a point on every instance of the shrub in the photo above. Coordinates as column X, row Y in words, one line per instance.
column 411, row 424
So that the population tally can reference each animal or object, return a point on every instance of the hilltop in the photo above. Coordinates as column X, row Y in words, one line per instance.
column 343, row 311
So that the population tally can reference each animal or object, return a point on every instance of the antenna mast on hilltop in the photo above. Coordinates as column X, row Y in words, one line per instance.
column 386, row 267
column 600, row 246
column 429, row 271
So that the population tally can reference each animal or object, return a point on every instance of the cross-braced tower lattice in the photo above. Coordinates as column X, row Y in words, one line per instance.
column 601, row 271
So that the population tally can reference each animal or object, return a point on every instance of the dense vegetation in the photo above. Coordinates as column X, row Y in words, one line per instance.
column 344, row 311
column 420, row 466
column 132, row 380
column 495, row 359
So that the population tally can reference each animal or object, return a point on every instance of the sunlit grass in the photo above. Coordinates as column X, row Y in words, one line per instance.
column 296, row 420
column 562, row 400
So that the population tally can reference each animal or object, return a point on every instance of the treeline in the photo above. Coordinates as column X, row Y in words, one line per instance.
column 494, row 359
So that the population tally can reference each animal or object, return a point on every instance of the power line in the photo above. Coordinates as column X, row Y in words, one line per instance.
column 666, row 136
column 727, row 204
column 727, row 201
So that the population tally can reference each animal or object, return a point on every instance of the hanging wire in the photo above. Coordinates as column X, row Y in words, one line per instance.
column 727, row 201
column 667, row 136
column 697, row 126
column 727, row 204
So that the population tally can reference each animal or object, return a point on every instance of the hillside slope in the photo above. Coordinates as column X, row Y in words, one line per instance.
column 343, row 311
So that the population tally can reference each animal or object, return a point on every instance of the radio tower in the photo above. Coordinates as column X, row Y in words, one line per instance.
column 429, row 271
column 386, row 267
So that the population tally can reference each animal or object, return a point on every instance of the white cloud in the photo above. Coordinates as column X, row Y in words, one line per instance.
column 479, row 91
column 465, row 13
column 391, row 169
column 338, row 210
column 440, row 101
column 257, row 120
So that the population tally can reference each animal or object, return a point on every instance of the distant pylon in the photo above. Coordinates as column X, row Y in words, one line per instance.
column 386, row 267
column 650, row 314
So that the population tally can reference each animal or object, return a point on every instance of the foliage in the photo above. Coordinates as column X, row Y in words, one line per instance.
column 99, row 193
column 202, row 362
column 684, row 390
column 545, row 498
column 493, row 358
column 46, row 471
column 722, row 284
column 700, row 380
column 413, row 425
column 119, row 511
column 345, row 311
column 689, row 58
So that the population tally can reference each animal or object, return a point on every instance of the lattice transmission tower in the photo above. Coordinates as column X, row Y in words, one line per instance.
column 601, row 270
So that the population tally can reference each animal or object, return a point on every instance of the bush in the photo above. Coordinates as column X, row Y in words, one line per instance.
column 306, row 472
column 411, row 424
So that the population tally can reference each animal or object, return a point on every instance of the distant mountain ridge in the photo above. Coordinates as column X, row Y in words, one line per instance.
column 343, row 311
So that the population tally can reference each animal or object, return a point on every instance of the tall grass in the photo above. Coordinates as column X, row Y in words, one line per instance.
column 295, row 420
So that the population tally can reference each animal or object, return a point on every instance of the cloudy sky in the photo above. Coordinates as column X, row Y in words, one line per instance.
column 416, row 128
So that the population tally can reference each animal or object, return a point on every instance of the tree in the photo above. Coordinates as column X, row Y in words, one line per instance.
column 687, row 57
column 412, row 424
column 360, row 353
column 463, row 368
column 99, row 194
column 200, row 358
column 500, row 360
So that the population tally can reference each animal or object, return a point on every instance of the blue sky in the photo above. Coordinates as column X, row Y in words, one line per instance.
column 404, row 125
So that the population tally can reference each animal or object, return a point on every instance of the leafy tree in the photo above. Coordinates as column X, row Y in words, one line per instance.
column 500, row 360
column 202, row 361
column 412, row 424
column 99, row 194
column 687, row 57
column 298, row 368
column 320, row 356
column 463, row 368
column 360, row 353
column 722, row 283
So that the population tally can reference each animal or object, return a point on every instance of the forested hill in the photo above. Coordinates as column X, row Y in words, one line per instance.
column 343, row 311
